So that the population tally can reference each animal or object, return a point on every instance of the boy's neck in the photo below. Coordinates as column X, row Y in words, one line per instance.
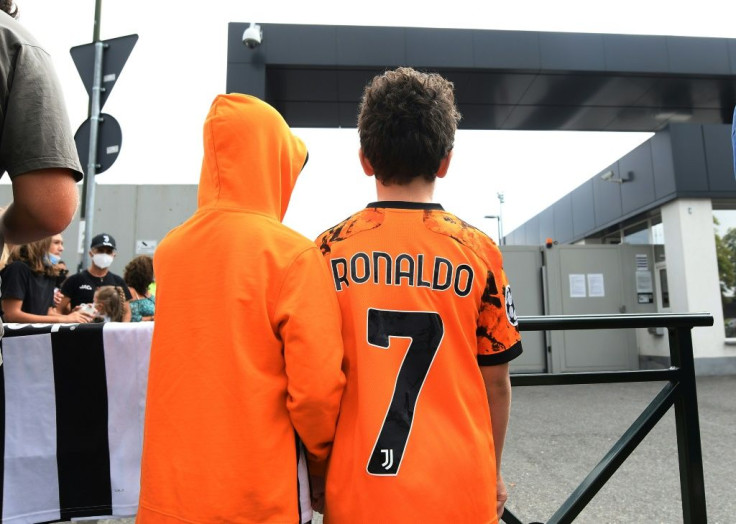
column 418, row 190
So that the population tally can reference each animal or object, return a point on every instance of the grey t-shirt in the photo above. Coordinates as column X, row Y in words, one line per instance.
column 34, row 126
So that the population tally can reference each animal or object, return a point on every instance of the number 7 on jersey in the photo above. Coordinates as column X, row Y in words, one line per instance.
column 425, row 329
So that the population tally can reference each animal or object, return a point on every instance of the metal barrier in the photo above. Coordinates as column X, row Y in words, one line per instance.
column 679, row 391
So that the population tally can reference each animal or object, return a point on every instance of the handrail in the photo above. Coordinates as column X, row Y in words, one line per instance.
column 679, row 392
column 627, row 320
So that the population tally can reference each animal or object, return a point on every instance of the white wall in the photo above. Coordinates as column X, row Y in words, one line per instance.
column 692, row 270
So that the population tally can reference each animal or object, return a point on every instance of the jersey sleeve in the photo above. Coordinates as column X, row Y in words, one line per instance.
column 35, row 130
column 497, row 330
column 308, row 320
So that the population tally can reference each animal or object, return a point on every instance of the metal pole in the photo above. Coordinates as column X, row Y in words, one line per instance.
column 96, row 29
column 501, row 240
column 88, row 187
column 692, row 485
column 498, row 222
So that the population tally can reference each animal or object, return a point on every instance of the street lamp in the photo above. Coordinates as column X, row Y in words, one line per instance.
column 498, row 218
column 501, row 240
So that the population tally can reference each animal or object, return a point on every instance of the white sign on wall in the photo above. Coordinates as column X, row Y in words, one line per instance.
column 596, row 285
column 644, row 282
column 577, row 286
column 145, row 247
column 80, row 240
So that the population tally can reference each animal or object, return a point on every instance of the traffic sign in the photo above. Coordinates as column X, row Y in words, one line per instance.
column 117, row 51
column 109, row 140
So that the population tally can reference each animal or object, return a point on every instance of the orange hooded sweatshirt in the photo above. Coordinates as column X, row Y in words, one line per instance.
column 246, row 351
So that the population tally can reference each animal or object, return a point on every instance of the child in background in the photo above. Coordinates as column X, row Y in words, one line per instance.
column 109, row 302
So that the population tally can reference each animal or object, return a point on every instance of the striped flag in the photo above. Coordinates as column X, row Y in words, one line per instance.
column 72, row 416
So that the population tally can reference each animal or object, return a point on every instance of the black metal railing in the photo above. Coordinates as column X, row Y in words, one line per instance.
column 679, row 391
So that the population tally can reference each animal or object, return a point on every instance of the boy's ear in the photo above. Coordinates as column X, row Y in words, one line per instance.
column 444, row 165
column 365, row 163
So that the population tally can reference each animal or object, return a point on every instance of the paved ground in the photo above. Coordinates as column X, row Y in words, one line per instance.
column 558, row 434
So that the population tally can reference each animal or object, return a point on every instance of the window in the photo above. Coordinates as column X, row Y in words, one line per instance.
column 664, row 292
column 658, row 234
column 638, row 234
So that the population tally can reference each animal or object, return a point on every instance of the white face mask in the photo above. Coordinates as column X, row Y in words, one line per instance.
column 102, row 260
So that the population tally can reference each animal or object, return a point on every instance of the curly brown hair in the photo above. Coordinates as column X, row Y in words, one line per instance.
column 139, row 273
column 9, row 7
column 407, row 124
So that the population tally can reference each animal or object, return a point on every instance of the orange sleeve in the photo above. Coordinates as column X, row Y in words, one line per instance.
column 497, row 331
column 308, row 320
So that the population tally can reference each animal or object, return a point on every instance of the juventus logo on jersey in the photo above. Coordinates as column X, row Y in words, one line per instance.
column 388, row 460
column 510, row 308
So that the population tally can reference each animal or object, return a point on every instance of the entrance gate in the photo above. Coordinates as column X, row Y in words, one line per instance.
column 581, row 280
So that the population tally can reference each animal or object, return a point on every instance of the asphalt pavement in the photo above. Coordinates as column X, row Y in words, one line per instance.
column 557, row 434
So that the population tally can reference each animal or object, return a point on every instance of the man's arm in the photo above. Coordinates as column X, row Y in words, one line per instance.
column 44, row 202
column 498, row 391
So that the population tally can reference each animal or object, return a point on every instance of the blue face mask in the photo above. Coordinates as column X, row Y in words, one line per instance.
column 53, row 259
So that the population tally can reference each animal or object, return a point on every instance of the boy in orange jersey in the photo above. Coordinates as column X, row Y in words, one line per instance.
column 428, row 325
column 245, row 369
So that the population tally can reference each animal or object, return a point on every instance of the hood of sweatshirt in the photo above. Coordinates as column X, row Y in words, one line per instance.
column 251, row 157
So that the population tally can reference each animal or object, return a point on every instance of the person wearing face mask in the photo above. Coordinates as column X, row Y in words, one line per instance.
column 28, row 286
column 80, row 288
column 55, row 250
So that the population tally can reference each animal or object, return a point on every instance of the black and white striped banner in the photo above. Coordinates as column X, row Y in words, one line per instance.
column 72, row 419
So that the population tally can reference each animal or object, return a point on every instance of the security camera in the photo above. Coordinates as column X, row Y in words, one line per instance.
column 608, row 175
column 252, row 36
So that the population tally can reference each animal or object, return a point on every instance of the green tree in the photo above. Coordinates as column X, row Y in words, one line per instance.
column 726, row 254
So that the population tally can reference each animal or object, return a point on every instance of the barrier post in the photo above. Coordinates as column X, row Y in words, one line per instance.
column 689, row 450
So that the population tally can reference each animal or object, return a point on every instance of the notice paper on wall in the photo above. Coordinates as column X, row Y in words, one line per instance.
column 145, row 247
column 644, row 282
column 577, row 286
column 596, row 288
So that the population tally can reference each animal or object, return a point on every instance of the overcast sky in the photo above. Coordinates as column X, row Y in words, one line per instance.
column 179, row 63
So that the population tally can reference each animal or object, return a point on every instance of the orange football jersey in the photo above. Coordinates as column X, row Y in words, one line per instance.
column 424, row 302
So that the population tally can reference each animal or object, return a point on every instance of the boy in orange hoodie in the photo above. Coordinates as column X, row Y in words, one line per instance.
column 428, row 324
column 246, row 352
